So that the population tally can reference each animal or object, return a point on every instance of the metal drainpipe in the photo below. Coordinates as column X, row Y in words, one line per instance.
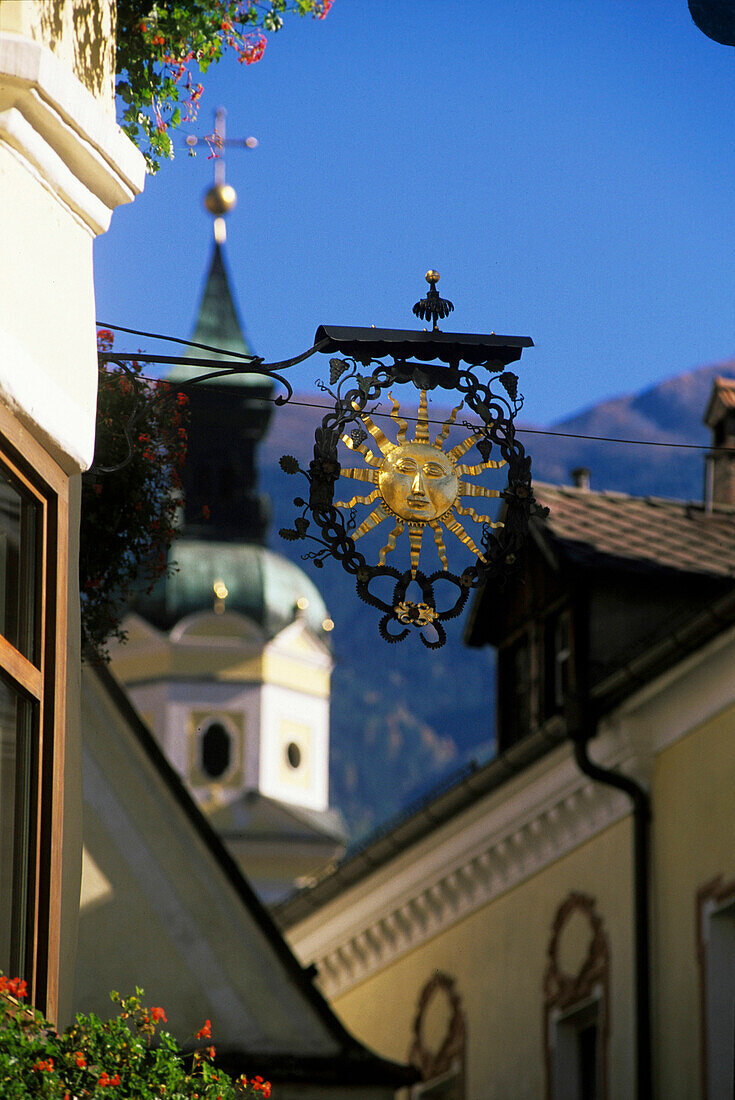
column 641, row 823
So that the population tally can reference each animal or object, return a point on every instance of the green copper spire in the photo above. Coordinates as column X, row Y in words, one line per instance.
column 218, row 324
column 228, row 416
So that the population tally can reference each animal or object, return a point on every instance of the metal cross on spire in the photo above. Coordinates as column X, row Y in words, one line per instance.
column 220, row 198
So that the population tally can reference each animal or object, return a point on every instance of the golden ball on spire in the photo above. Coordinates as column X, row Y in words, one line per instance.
column 432, row 276
column 220, row 199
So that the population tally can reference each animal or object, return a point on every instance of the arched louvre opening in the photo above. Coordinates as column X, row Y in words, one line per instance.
column 216, row 750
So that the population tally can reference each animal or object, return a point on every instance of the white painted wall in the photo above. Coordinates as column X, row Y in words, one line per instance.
column 290, row 716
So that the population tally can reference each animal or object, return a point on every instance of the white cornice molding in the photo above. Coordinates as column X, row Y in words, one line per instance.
column 496, row 844
column 60, row 423
column 532, row 820
column 63, row 135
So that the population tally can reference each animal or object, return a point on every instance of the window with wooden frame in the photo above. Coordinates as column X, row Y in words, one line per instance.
column 557, row 662
column 716, row 957
column 33, row 582
column 576, row 1002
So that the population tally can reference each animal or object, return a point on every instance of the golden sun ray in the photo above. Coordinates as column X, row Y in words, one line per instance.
column 376, row 516
column 378, row 435
column 418, row 484
column 360, row 474
column 415, row 534
column 452, row 524
column 369, row 457
column 446, row 426
column 391, row 543
column 473, row 471
column 422, row 424
column 440, row 547
column 357, row 500
column 464, row 446
column 402, row 424
column 465, row 489
column 473, row 515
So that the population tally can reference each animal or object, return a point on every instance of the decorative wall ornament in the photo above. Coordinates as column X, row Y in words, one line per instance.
column 563, row 992
column 449, row 1054
column 414, row 482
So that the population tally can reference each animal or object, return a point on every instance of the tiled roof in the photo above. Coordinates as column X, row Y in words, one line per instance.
column 644, row 532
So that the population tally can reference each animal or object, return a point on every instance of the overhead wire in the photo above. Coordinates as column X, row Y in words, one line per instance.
column 325, row 408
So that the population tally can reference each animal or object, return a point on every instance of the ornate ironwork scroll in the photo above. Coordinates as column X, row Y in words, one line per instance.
column 415, row 484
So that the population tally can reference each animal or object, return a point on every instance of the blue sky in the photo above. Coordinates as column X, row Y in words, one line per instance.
column 567, row 165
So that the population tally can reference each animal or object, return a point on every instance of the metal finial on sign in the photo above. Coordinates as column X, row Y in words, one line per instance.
column 432, row 306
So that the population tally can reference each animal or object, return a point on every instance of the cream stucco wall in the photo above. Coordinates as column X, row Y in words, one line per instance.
column 64, row 166
column 81, row 34
column 694, row 841
column 50, row 336
column 497, row 956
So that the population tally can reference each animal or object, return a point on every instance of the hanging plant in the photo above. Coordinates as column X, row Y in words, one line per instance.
column 129, row 516
column 162, row 45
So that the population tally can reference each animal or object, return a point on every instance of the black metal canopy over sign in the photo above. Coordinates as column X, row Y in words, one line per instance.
column 367, row 344
column 418, row 484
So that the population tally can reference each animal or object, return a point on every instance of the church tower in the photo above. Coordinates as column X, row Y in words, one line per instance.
column 228, row 658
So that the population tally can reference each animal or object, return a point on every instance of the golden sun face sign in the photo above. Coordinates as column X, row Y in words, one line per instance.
column 418, row 484
column 419, row 478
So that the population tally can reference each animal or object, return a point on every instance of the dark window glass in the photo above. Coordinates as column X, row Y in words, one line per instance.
column 216, row 750
column 18, row 567
column 557, row 655
column 16, row 716
column 587, row 1055
column 576, row 1055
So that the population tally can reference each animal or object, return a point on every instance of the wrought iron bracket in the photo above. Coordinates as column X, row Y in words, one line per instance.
column 164, row 392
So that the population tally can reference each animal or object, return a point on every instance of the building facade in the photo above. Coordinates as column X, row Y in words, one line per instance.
column 64, row 166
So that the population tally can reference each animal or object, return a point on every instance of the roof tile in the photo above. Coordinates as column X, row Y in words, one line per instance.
column 645, row 531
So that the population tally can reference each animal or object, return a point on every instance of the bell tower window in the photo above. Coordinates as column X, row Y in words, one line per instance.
column 216, row 750
column 293, row 754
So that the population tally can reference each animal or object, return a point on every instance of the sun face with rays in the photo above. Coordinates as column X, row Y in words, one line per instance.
column 418, row 484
